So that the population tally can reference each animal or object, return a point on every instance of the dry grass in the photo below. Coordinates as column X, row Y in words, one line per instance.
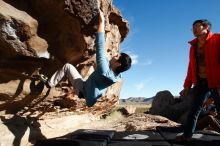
column 139, row 108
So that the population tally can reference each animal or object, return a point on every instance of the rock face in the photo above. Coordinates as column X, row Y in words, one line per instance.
column 40, row 36
column 19, row 33
column 174, row 108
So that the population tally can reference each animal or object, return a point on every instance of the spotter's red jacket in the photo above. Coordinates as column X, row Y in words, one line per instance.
column 212, row 60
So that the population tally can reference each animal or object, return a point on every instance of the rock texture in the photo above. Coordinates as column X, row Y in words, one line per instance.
column 19, row 33
column 39, row 37
column 174, row 108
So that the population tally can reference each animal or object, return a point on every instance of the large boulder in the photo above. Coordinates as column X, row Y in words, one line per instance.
column 174, row 108
column 162, row 101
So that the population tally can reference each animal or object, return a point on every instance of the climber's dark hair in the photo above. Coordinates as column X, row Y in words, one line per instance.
column 204, row 22
column 125, row 61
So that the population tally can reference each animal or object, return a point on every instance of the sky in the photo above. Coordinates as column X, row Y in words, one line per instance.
column 159, row 31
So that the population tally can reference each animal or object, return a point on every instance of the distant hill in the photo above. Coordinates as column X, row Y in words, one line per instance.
column 136, row 100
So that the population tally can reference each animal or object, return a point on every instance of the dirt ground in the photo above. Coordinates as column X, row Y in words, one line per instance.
column 18, row 130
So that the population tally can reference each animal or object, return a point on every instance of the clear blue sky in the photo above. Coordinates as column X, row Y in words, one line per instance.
column 158, row 41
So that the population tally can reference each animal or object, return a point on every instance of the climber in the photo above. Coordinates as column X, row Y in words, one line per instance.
column 106, row 72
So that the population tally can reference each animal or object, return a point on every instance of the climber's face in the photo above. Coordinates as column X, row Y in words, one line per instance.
column 114, row 62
